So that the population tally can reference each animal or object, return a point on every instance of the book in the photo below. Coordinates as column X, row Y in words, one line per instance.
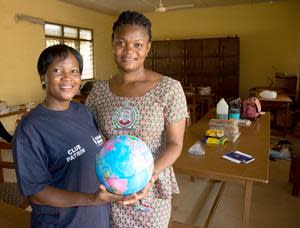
column 233, row 138
column 238, row 157
column 244, row 122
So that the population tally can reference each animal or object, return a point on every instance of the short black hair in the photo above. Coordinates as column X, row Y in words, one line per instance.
column 133, row 18
column 60, row 51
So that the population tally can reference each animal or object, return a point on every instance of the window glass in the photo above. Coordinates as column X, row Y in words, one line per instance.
column 70, row 32
column 53, row 30
column 51, row 41
column 72, row 43
column 85, row 34
column 83, row 43
column 86, row 48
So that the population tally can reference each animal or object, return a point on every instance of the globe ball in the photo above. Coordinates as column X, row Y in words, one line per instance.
column 124, row 165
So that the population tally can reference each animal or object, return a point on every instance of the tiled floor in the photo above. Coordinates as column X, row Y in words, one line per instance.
column 272, row 204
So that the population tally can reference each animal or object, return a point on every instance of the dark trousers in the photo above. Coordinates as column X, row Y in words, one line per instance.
column 4, row 134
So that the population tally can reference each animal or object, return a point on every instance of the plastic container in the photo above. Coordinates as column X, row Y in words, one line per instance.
column 234, row 113
column 222, row 110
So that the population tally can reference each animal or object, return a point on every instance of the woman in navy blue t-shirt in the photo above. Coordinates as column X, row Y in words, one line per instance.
column 54, row 150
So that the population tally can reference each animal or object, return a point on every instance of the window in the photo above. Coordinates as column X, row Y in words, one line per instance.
column 79, row 38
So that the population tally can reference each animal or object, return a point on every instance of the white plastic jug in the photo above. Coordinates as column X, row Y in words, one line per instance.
column 222, row 110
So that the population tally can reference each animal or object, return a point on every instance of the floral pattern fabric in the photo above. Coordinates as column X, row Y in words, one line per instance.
column 145, row 117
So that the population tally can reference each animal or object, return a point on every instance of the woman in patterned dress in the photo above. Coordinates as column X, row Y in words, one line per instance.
column 149, row 106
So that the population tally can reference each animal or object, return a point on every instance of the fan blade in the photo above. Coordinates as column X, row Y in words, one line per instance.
column 179, row 6
column 161, row 9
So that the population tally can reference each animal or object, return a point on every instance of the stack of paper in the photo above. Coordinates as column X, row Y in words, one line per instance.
column 230, row 127
column 3, row 105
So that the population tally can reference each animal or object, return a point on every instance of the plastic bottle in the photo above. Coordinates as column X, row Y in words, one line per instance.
column 234, row 113
column 222, row 110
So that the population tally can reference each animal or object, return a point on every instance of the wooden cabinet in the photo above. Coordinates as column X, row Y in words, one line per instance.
column 210, row 62
column 168, row 58
column 214, row 62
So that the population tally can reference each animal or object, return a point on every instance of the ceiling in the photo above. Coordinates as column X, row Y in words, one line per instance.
column 115, row 7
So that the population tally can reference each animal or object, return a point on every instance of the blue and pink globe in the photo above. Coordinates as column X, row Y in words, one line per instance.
column 124, row 165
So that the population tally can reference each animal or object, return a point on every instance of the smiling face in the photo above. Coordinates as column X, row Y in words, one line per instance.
column 62, row 81
column 130, row 47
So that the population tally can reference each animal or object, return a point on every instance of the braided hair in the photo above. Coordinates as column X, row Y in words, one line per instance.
column 133, row 18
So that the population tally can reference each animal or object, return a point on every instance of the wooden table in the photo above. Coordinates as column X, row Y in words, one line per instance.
column 254, row 140
column 281, row 101
column 10, row 111
column 13, row 217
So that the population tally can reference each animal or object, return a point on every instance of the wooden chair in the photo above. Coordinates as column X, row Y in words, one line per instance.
column 9, row 192
column 197, row 104
column 191, row 97
column 296, row 123
column 294, row 176
column 205, row 103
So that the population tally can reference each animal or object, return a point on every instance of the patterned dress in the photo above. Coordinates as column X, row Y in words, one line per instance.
column 145, row 117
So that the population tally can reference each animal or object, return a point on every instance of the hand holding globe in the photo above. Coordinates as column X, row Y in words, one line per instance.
column 102, row 195
column 124, row 165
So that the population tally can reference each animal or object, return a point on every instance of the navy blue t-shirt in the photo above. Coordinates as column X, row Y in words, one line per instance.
column 58, row 148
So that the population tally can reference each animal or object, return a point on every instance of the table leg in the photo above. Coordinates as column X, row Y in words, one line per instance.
column 247, row 203
column 287, row 118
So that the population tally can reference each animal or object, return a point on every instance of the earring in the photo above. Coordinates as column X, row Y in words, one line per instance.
column 43, row 83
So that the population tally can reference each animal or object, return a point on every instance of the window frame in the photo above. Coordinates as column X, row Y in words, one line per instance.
column 78, row 39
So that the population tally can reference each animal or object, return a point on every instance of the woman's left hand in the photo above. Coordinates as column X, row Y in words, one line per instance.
column 143, row 193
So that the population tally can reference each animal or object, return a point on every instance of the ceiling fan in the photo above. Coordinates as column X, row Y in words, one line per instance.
column 161, row 8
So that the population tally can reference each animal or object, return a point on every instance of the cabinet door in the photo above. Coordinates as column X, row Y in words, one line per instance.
column 176, row 66
column 150, row 53
column 229, row 66
column 178, row 77
column 194, row 80
column 193, row 48
column 229, row 78
column 212, row 81
column 160, row 49
column 229, row 46
column 229, row 86
column 210, row 47
column 176, row 48
column 160, row 65
column 148, row 63
column 210, row 66
column 176, row 69
column 170, row 67
column 194, row 65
